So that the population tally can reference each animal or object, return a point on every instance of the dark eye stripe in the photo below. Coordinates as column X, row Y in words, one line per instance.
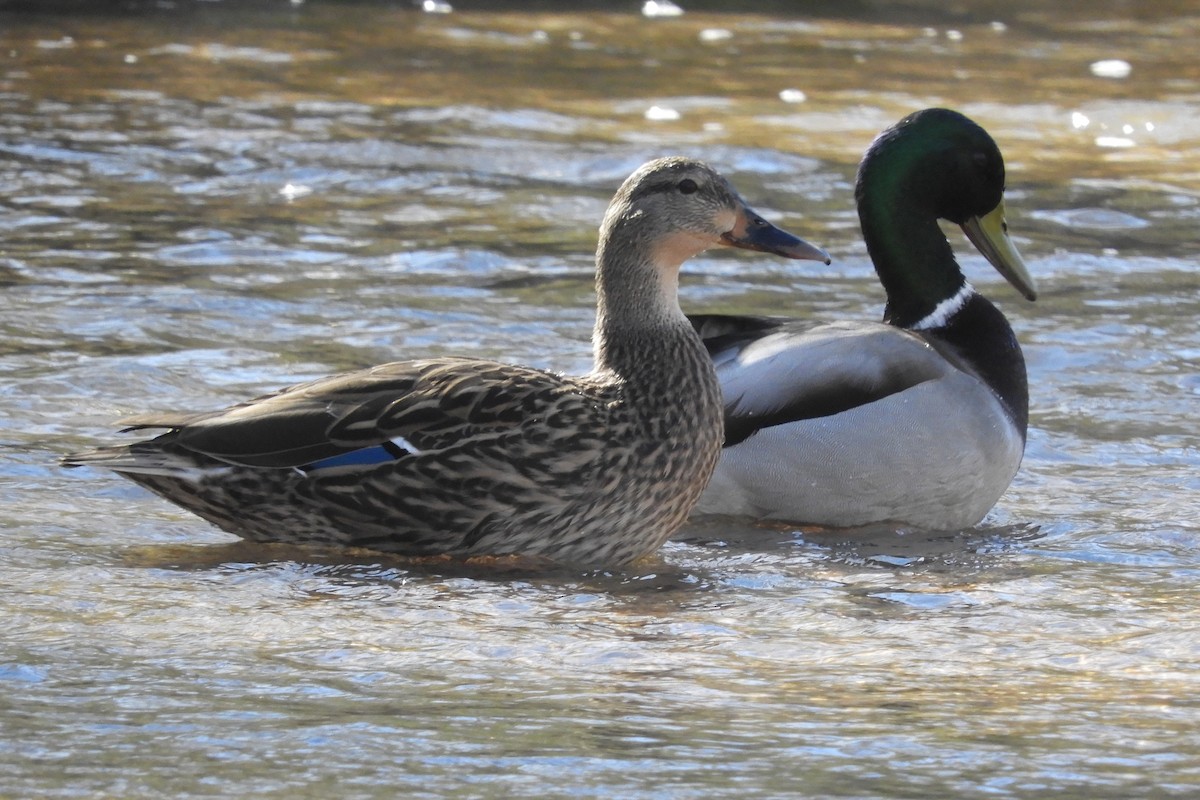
column 667, row 186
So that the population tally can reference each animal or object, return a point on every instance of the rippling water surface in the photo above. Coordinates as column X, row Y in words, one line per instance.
column 198, row 204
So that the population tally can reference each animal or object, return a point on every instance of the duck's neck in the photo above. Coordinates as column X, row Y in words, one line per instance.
column 981, row 335
column 916, row 266
column 926, row 291
column 641, row 334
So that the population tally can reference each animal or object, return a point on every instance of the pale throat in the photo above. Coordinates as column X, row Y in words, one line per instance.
column 669, row 252
column 668, row 256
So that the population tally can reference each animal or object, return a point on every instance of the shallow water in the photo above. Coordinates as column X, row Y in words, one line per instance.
column 200, row 205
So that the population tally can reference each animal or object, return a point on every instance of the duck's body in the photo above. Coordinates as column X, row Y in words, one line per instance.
column 440, row 456
column 469, row 457
column 919, row 419
column 831, row 425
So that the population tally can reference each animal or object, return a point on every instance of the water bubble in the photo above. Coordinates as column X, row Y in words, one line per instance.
column 998, row 26
column 661, row 114
column 660, row 8
column 792, row 96
column 1079, row 121
column 291, row 191
column 715, row 34
column 56, row 44
column 436, row 7
column 954, row 36
column 1111, row 68
column 1114, row 141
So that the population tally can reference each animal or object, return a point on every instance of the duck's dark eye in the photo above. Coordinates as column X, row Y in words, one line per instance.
column 688, row 186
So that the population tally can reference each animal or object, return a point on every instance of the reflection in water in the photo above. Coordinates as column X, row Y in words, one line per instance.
column 204, row 203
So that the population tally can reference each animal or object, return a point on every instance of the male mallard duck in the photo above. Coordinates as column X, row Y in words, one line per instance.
column 918, row 420
column 469, row 457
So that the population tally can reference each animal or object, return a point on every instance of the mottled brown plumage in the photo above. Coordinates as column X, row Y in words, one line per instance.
column 472, row 457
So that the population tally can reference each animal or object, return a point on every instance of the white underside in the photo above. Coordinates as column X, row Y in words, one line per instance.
column 936, row 456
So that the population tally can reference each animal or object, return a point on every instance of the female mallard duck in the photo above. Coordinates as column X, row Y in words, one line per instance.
column 918, row 420
column 469, row 457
